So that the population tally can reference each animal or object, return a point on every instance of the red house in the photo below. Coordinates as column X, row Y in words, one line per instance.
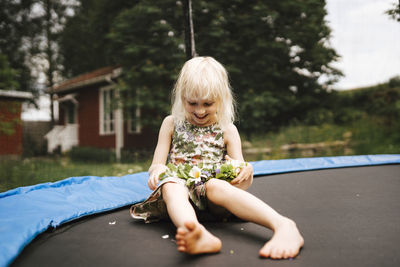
column 88, row 116
column 10, row 121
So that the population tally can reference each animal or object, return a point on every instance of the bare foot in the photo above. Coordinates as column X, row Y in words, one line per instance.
column 285, row 243
column 195, row 239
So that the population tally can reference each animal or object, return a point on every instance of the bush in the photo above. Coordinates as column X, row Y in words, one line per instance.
column 137, row 155
column 318, row 116
column 347, row 115
column 91, row 154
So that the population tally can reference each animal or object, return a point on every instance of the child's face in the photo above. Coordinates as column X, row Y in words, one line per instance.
column 201, row 112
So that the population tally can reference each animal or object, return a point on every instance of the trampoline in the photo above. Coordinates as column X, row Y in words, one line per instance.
column 348, row 216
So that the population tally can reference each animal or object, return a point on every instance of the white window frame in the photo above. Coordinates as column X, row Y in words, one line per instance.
column 135, row 128
column 107, row 125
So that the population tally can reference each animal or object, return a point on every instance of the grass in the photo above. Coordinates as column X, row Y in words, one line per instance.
column 16, row 173
column 364, row 136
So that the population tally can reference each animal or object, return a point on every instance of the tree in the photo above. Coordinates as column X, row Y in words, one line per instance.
column 48, row 21
column 147, row 42
column 394, row 12
column 16, row 33
column 84, row 45
column 275, row 51
column 8, row 76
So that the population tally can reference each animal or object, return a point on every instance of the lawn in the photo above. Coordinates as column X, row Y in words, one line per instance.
column 30, row 171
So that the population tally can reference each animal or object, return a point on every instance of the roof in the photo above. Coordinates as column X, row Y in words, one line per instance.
column 96, row 76
column 16, row 94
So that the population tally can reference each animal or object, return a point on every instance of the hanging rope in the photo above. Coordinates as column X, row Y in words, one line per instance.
column 189, row 32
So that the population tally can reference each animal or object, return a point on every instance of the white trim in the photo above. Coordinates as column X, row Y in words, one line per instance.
column 119, row 127
column 16, row 94
column 68, row 97
column 137, row 115
column 101, row 112
column 138, row 125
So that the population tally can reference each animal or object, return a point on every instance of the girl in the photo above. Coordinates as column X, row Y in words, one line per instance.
column 200, row 132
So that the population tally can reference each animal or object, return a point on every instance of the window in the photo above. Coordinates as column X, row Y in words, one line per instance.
column 70, row 113
column 107, row 117
column 134, row 113
column 134, row 125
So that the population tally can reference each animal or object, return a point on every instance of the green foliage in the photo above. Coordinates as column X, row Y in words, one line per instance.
column 7, row 125
column 200, row 174
column 146, row 43
column 318, row 116
column 346, row 115
column 394, row 12
column 8, row 76
column 91, row 154
column 16, row 33
column 136, row 155
column 275, row 52
column 382, row 100
column 90, row 25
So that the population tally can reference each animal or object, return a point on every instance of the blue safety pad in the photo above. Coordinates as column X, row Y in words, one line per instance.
column 266, row 167
column 28, row 211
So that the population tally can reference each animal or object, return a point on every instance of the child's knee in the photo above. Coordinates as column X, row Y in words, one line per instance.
column 173, row 190
column 217, row 189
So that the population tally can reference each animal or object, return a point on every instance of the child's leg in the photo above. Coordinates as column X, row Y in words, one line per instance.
column 191, row 236
column 286, row 241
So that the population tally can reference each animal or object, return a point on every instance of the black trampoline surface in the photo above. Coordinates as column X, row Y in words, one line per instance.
column 348, row 217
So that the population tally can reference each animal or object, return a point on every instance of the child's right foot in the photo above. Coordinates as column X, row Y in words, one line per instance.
column 195, row 239
column 285, row 243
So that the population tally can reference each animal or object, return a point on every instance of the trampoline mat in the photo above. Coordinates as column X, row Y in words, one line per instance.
column 348, row 217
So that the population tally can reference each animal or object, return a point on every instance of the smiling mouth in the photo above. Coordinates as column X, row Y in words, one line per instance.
column 200, row 117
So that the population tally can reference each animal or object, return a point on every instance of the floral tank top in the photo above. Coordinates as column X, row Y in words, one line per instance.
column 193, row 144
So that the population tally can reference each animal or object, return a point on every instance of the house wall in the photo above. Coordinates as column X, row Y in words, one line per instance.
column 89, row 123
column 88, row 119
column 10, row 111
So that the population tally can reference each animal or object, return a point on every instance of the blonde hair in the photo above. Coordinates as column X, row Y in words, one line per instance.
column 207, row 79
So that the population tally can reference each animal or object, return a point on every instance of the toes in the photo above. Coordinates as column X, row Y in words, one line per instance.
column 191, row 226
column 181, row 230
column 181, row 248
column 180, row 242
column 265, row 252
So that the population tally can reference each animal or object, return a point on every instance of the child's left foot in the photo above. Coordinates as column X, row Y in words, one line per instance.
column 195, row 239
column 285, row 243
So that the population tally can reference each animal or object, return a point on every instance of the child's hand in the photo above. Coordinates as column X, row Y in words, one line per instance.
column 154, row 175
column 245, row 173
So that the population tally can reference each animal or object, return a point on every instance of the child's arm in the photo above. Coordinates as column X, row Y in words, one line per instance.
column 234, row 151
column 161, row 152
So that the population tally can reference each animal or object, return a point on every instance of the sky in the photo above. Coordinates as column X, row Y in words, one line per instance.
column 367, row 40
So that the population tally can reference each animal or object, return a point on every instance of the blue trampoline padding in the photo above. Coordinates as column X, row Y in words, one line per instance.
column 28, row 211
column 266, row 167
